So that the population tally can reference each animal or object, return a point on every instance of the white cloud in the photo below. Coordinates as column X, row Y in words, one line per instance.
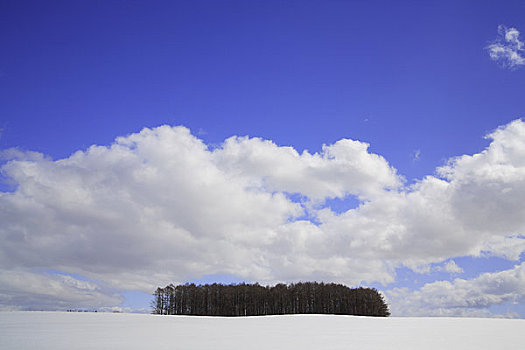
column 343, row 168
column 461, row 297
column 451, row 267
column 508, row 49
column 159, row 206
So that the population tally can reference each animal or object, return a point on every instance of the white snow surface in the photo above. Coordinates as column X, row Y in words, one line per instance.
column 60, row 330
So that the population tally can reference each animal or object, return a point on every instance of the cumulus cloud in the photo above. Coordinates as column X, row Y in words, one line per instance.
column 345, row 167
column 160, row 206
column 451, row 267
column 461, row 297
column 507, row 49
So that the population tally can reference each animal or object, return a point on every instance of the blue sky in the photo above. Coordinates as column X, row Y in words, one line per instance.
column 420, row 82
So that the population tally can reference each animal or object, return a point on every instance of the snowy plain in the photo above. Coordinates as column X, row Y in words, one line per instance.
column 60, row 330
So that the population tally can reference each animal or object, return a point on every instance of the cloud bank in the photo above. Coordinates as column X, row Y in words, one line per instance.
column 462, row 297
column 160, row 206
column 24, row 290
column 507, row 50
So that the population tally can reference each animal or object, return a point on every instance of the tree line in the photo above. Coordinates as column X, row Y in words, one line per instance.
column 255, row 300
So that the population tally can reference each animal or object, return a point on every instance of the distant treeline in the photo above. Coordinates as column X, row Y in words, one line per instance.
column 254, row 300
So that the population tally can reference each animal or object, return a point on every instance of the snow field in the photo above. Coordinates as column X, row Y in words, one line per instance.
column 59, row 330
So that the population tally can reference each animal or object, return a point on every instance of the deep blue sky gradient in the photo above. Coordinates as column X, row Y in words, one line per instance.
column 403, row 76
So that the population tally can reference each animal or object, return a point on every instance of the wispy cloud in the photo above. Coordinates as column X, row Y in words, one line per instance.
column 2, row 129
column 507, row 50
column 416, row 155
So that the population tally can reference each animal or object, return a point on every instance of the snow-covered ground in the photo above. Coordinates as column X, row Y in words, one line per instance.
column 56, row 330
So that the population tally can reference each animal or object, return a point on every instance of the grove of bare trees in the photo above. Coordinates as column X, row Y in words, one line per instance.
column 254, row 299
